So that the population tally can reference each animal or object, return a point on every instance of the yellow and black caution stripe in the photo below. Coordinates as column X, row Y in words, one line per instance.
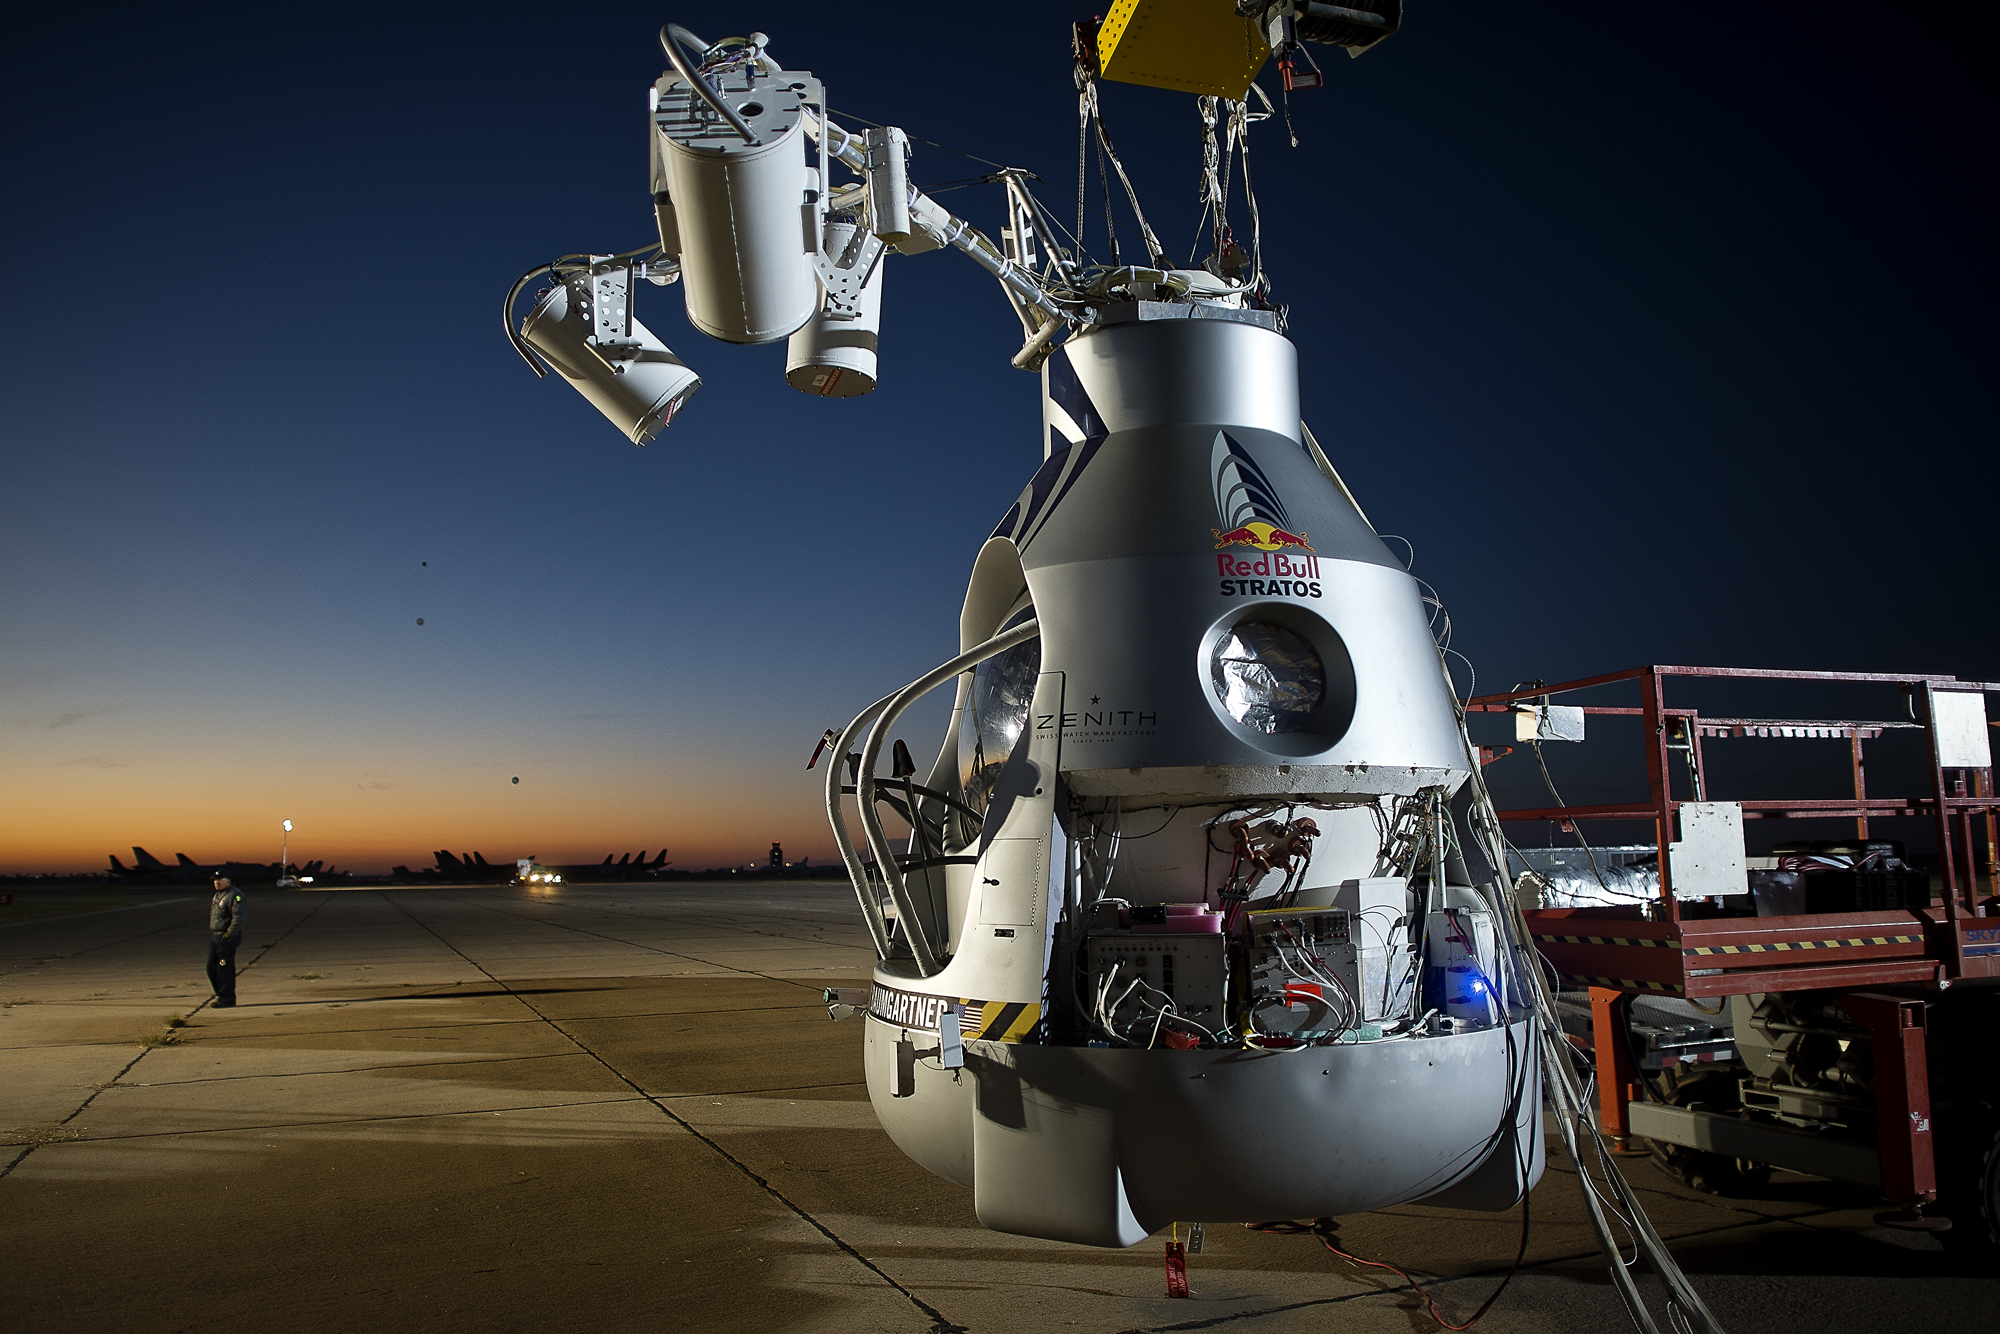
column 1624, row 983
column 1668, row 944
column 992, row 1021
column 999, row 1021
column 1786, row 946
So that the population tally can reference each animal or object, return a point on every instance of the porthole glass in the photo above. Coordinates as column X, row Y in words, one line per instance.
column 1267, row 677
column 1003, row 688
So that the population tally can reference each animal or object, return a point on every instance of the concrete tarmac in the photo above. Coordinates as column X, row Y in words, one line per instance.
column 622, row 1107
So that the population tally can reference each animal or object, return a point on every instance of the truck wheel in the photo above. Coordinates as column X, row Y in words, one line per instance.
column 1710, row 1090
column 1989, row 1190
column 1710, row 1173
column 1969, row 1194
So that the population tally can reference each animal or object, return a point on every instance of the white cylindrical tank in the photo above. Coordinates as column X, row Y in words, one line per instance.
column 642, row 396
column 834, row 355
column 745, row 213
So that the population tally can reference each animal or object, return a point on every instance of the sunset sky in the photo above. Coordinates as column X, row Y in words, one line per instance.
column 1657, row 344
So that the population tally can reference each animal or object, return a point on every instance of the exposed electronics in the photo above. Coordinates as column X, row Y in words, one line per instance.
column 1143, row 985
column 1385, row 957
column 1462, row 977
column 1301, row 973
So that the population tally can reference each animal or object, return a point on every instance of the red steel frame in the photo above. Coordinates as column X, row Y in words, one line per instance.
column 1618, row 953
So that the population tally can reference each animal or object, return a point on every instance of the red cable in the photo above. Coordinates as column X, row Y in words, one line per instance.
column 1323, row 1228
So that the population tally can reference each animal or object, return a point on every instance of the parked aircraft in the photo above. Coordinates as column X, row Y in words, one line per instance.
column 472, row 868
column 147, row 866
column 632, row 866
column 185, row 869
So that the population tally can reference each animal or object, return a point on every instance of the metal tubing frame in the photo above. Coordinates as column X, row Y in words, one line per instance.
column 1955, row 801
column 1946, row 853
column 857, row 870
column 864, row 782
column 671, row 36
column 1660, row 780
column 1022, row 288
column 1842, row 954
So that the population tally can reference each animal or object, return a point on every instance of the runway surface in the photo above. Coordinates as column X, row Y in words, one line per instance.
column 622, row 1107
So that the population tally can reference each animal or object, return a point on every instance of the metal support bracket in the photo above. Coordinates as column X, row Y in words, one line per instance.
column 845, row 276
column 604, row 291
column 1615, row 1073
column 1895, row 1027
column 1017, row 235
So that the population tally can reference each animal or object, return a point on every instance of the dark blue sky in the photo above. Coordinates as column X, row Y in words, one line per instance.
column 1658, row 343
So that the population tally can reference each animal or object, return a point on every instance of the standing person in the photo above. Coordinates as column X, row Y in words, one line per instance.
column 225, row 933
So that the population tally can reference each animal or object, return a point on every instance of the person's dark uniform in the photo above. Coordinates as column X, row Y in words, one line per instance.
column 225, row 933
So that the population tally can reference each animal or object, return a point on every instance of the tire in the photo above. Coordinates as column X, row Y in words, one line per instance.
column 1969, row 1192
column 1712, row 1090
column 1989, row 1190
column 1710, row 1173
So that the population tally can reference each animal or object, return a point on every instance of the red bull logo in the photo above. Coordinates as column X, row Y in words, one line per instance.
column 1272, row 575
column 1263, row 536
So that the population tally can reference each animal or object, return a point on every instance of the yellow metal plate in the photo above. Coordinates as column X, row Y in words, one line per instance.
column 1190, row 46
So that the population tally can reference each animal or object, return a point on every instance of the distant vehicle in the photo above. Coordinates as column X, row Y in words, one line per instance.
column 528, row 872
column 472, row 868
column 298, row 877
column 632, row 866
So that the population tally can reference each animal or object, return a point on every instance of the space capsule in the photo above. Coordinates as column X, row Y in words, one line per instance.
column 1180, row 931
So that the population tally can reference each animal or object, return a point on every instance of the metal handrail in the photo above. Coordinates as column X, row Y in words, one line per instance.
column 849, row 790
column 857, row 870
column 871, row 822
column 672, row 35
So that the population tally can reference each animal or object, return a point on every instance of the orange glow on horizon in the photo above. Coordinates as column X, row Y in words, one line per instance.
column 71, row 821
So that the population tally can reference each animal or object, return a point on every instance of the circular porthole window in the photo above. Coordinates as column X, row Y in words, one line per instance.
column 1267, row 677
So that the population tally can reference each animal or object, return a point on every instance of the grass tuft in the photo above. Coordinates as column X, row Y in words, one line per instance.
column 308, row 977
column 176, row 1021
column 170, row 1038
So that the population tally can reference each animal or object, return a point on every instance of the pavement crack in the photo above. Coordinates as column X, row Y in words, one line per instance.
column 350, row 1120
column 761, row 1092
column 144, row 1052
column 939, row 1323
column 345, row 1070
column 672, row 954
